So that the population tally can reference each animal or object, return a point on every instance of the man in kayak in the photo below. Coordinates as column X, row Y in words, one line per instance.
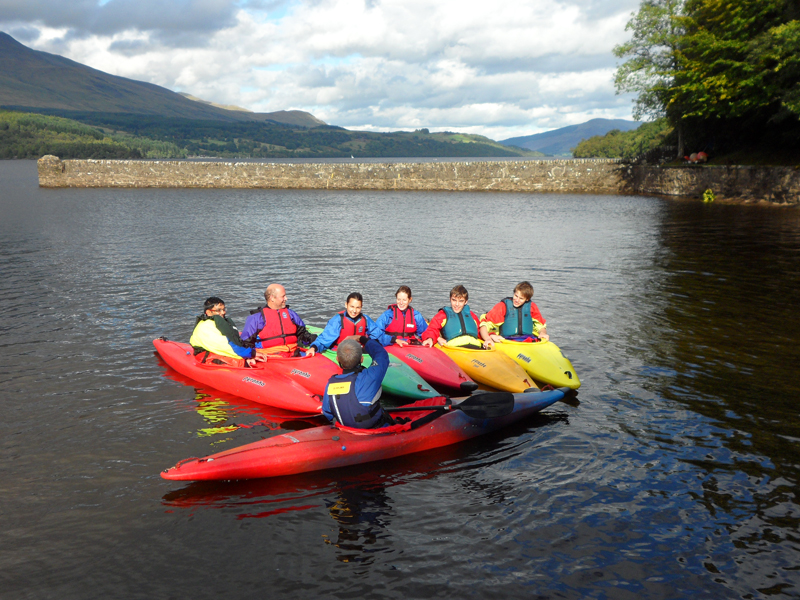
column 274, row 328
column 349, row 323
column 455, row 325
column 401, row 321
column 352, row 398
column 516, row 318
column 216, row 338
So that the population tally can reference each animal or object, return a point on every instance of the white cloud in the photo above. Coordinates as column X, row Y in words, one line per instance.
column 503, row 69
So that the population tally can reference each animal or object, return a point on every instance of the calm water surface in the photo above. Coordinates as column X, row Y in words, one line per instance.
column 675, row 473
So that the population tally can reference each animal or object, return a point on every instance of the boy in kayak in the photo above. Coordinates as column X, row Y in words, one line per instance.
column 400, row 322
column 455, row 325
column 352, row 398
column 349, row 323
column 516, row 318
column 274, row 328
column 216, row 336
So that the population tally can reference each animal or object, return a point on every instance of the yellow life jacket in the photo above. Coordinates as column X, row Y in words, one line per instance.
column 207, row 336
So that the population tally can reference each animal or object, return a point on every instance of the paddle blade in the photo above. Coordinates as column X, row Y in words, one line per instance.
column 487, row 406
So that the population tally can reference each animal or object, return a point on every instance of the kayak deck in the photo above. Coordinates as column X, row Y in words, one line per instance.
column 329, row 447
column 491, row 367
column 255, row 384
column 544, row 361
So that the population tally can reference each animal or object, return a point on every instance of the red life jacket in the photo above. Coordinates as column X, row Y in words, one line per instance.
column 279, row 329
column 402, row 323
column 349, row 328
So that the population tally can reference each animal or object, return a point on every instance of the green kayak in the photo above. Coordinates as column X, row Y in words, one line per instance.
column 400, row 379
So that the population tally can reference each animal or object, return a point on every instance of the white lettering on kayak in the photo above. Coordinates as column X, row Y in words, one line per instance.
column 523, row 357
column 478, row 363
column 301, row 373
column 256, row 381
column 416, row 358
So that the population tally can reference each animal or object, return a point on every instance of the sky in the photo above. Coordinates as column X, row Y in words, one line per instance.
column 501, row 69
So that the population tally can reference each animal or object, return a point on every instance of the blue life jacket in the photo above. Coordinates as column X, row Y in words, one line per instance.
column 344, row 404
column 457, row 324
column 518, row 321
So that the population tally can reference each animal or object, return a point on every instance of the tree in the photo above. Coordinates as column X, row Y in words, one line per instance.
column 739, row 59
column 653, row 61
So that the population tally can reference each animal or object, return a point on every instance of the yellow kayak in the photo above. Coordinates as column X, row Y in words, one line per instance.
column 543, row 361
column 490, row 367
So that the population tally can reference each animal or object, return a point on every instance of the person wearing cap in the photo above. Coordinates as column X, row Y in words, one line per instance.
column 352, row 398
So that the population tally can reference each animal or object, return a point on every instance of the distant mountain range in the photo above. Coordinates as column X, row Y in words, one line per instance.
column 36, row 81
column 559, row 142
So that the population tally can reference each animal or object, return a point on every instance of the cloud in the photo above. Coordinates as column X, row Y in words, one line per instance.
column 508, row 68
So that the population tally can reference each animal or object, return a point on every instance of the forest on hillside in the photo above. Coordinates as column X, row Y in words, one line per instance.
column 70, row 134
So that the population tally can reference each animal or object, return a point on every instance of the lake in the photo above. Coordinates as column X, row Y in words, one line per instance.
column 675, row 473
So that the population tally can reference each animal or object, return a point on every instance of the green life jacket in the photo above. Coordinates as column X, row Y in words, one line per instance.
column 458, row 325
column 518, row 321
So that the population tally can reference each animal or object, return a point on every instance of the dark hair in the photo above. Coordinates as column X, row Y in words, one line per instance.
column 354, row 296
column 460, row 290
column 405, row 289
column 212, row 302
column 525, row 289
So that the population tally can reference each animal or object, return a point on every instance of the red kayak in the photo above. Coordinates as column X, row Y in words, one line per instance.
column 327, row 447
column 274, row 388
column 435, row 367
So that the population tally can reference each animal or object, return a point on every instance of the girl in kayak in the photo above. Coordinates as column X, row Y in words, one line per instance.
column 516, row 318
column 401, row 321
column 455, row 325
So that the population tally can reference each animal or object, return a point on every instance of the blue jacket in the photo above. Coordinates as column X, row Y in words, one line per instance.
column 330, row 334
column 368, row 382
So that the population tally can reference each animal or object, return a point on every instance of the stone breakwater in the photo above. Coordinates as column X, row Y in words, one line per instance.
column 578, row 176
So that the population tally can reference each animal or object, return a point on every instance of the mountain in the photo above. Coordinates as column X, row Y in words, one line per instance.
column 36, row 81
column 559, row 142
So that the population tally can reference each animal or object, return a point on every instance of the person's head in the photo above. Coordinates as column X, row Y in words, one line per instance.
column 214, row 306
column 522, row 293
column 349, row 354
column 403, row 296
column 458, row 298
column 275, row 296
column 353, row 305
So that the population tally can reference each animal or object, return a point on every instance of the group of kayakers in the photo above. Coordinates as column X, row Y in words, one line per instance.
column 351, row 398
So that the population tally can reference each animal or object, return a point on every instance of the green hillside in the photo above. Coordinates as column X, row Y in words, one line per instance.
column 25, row 135
column 115, row 135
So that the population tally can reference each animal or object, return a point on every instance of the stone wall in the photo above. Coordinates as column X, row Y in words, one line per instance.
column 579, row 176
column 576, row 176
column 736, row 183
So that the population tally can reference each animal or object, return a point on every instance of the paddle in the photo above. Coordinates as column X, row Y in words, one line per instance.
column 482, row 406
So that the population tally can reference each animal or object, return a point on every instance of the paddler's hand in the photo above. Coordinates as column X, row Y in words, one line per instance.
column 488, row 344
column 311, row 351
column 543, row 335
column 496, row 338
column 428, row 343
column 400, row 343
